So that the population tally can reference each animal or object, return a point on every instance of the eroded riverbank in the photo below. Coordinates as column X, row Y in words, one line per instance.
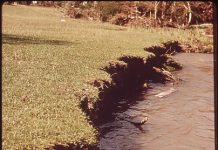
column 130, row 74
column 183, row 119
column 136, row 90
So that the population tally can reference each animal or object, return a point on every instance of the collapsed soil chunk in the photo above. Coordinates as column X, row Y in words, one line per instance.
column 170, row 47
column 129, row 74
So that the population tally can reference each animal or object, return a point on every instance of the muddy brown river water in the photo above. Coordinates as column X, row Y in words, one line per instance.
column 181, row 120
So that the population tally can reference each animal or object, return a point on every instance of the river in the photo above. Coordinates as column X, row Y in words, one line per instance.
column 182, row 120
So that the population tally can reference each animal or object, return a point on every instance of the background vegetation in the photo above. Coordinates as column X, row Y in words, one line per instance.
column 148, row 13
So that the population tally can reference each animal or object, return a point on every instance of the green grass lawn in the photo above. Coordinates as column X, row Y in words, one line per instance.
column 46, row 61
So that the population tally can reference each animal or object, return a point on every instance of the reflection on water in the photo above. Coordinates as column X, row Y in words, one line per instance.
column 182, row 120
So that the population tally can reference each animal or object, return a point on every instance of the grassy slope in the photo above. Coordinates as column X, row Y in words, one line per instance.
column 45, row 61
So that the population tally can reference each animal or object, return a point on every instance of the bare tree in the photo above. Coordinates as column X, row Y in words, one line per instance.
column 189, row 12
column 156, row 3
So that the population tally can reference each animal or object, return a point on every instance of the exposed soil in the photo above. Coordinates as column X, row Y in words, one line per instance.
column 129, row 75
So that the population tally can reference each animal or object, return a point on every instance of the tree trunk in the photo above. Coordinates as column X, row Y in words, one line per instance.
column 155, row 9
column 190, row 13
column 150, row 14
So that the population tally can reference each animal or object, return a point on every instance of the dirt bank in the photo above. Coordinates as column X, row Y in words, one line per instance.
column 129, row 74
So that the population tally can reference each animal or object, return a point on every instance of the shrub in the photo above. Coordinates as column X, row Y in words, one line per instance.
column 108, row 9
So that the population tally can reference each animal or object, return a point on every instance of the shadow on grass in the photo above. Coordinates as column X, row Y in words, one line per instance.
column 73, row 147
column 115, row 29
column 18, row 39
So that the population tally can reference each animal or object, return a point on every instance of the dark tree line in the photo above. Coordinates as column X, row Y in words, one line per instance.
column 179, row 13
